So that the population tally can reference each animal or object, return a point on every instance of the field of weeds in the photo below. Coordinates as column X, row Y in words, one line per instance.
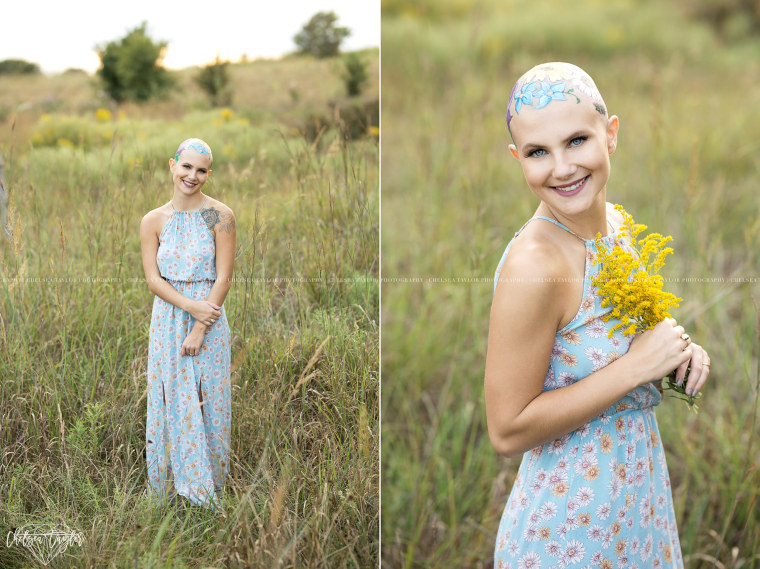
column 452, row 197
column 301, row 173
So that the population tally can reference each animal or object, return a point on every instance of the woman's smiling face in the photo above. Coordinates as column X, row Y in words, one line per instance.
column 564, row 150
column 190, row 171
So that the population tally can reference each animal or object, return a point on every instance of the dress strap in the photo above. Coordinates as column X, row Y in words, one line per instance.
column 171, row 203
column 558, row 224
column 555, row 222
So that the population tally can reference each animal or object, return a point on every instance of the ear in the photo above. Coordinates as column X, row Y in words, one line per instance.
column 513, row 150
column 612, row 131
column 171, row 163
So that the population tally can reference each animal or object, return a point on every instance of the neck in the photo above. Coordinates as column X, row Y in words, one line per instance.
column 586, row 223
column 181, row 202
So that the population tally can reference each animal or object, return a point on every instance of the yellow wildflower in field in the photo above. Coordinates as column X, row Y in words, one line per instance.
column 65, row 143
column 629, row 282
column 102, row 115
column 628, row 279
column 227, row 114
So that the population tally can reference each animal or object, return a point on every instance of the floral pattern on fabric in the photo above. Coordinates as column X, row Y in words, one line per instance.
column 598, row 496
column 187, row 434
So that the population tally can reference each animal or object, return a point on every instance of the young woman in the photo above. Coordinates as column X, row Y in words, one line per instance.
column 593, row 486
column 188, row 253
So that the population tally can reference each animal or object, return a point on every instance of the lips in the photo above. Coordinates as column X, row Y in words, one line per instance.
column 189, row 184
column 572, row 188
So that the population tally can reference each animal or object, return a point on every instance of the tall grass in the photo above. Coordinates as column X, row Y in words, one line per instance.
column 74, row 315
column 452, row 199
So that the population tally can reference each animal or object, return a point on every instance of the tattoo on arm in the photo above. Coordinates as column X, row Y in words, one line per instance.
column 221, row 220
column 211, row 217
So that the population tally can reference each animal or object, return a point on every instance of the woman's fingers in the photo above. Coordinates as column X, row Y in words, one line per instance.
column 700, row 369
column 686, row 356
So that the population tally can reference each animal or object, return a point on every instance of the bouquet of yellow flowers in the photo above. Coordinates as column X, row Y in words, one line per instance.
column 628, row 280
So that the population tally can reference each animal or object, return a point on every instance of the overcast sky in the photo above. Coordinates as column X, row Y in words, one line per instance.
column 59, row 34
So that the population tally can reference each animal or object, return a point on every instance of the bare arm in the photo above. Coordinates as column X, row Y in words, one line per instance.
column 149, row 230
column 525, row 316
column 221, row 221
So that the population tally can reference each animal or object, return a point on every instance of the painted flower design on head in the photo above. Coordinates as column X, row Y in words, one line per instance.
column 549, row 82
column 525, row 97
column 540, row 93
column 548, row 93
column 194, row 144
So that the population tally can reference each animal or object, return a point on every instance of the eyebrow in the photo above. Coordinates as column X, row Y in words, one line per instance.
column 529, row 147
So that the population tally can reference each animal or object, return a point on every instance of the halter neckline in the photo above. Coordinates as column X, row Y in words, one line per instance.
column 171, row 203
column 558, row 224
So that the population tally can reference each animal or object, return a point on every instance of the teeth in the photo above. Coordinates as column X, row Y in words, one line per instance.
column 571, row 188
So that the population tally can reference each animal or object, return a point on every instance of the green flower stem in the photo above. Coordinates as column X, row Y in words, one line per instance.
column 691, row 400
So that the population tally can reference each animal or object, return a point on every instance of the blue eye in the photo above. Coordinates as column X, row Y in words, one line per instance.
column 537, row 153
column 578, row 141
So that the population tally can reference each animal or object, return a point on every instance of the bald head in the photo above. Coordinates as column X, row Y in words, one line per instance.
column 194, row 144
column 549, row 83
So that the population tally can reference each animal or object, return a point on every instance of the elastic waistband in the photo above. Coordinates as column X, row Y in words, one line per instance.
column 173, row 281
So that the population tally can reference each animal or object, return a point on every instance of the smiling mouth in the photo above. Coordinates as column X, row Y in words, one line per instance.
column 571, row 187
column 189, row 184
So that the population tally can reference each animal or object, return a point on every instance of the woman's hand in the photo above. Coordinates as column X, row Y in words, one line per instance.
column 205, row 312
column 661, row 350
column 192, row 344
column 700, row 369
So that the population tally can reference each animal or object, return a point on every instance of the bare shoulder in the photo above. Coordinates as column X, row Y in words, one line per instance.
column 538, row 279
column 535, row 273
column 154, row 220
column 615, row 217
column 536, row 257
column 218, row 217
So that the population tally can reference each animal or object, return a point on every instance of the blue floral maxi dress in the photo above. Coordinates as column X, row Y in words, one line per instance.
column 598, row 496
column 188, row 424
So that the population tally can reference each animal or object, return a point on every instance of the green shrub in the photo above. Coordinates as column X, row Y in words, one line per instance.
column 354, row 74
column 71, row 131
column 18, row 67
column 130, row 68
column 214, row 79
column 357, row 117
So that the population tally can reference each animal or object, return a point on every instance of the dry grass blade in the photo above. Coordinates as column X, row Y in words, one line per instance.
column 313, row 360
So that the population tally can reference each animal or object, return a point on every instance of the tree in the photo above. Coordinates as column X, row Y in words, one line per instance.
column 214, row 79
column 320, row 37
column 130, row 68
column 354, row 74
column 18, row 67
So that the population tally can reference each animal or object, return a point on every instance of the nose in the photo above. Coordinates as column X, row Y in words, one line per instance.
column 564, row 167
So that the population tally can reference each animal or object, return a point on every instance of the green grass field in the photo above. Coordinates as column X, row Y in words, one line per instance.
column 303, row 311
column 452, row 197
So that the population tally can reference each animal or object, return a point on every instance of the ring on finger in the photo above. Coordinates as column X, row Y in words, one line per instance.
column 686, row 338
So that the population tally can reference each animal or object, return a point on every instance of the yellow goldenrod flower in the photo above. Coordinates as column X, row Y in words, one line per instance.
column 628, row 281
